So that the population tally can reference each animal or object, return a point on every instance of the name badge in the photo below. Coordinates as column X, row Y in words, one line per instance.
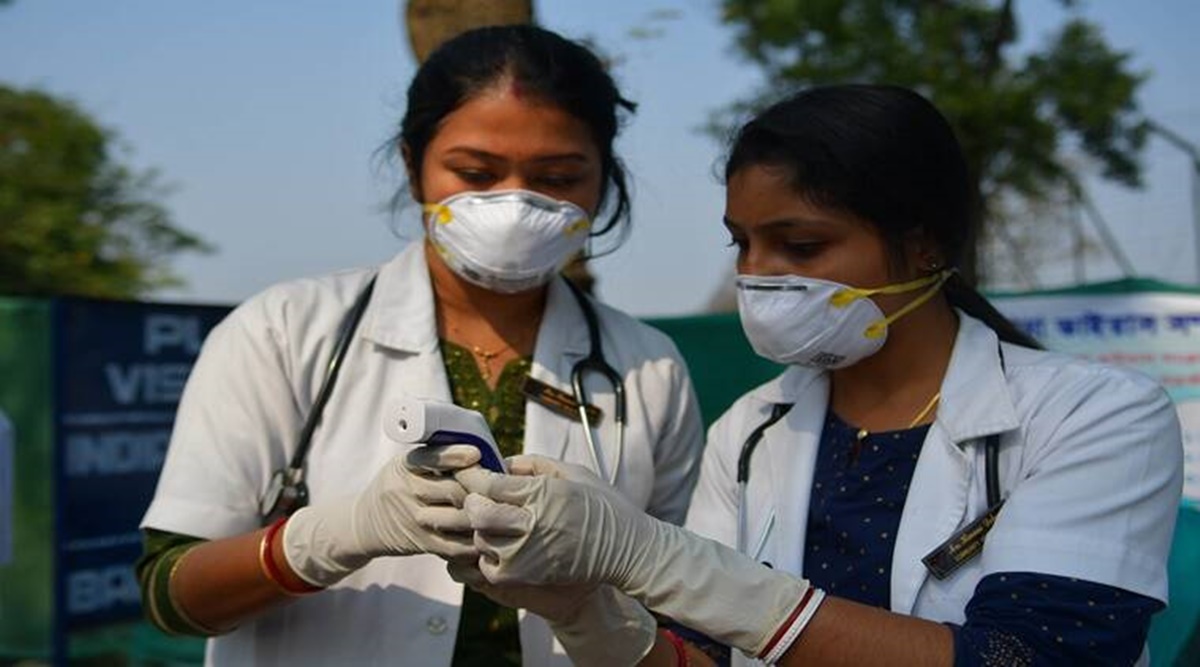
column 558, row 400
column 962, row 546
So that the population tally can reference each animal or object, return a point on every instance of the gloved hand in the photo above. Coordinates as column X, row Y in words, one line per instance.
column 553, row 528
column 595, row 624
column 412, row 506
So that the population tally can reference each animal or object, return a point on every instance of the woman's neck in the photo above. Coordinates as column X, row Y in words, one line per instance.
column 474, row 317
column 887, row 390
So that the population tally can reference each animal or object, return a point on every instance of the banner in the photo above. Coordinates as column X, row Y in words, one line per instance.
column 1154, row 332
column 120, row 368
column 1153, row 328
column 720, row 360
column 27, row 574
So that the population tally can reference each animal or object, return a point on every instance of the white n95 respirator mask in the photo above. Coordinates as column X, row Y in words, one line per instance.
column 507, row 240
column 818, row 323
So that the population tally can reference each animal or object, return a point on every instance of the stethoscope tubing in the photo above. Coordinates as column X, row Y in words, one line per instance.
column 594, row 362
column 991, row 466
column 580, row 395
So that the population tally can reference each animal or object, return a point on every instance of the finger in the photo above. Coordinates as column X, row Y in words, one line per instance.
column 441, row 458
column 466, row 573
column 437, row 491
column 529, row 465
column 443, row 519
column 491, row 518
column 501, row 488
column 476, row 479
column 489, row 567
column 454, row 547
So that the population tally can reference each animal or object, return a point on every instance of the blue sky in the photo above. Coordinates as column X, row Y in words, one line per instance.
column 266, row 117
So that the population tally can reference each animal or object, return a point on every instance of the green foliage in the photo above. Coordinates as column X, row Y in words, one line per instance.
column 74, row 220
column 1014, row 114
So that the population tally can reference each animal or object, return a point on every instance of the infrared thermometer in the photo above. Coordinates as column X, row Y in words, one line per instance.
column 429, row 422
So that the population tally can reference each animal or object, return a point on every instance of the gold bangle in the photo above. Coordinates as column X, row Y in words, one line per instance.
column 271, row 569
column 177, row 607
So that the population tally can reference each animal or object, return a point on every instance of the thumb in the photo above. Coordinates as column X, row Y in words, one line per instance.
column 439, row 459
column 532, row 465
column 509, row 489
column 489, row 518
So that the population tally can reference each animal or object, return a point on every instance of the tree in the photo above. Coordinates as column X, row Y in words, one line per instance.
column 73, row 219
column 1015, row 114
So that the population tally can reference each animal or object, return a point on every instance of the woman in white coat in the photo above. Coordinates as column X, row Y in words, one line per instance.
column 508, row 143
column 927, row 487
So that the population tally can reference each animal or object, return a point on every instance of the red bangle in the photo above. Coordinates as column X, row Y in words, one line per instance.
column 681, row 657
column 266, row 559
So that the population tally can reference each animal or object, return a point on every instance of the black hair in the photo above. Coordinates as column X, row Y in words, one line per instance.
column 551, row 68
column 884, row 154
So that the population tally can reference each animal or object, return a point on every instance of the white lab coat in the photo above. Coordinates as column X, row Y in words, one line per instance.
column 1090, row 465
column 249, row 393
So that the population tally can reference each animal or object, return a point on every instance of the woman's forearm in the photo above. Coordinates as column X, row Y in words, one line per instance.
column 220, row 583
column 847, row 633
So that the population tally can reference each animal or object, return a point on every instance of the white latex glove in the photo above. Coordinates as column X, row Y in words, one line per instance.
column 412, row 506
column 597, row 625
column 554, row 529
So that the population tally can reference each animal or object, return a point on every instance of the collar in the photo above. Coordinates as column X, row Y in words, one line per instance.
column 563, row 329
column 402, row 316
column 975, row 402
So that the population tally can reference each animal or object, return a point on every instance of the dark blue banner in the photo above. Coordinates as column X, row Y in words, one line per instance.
column 120, row 368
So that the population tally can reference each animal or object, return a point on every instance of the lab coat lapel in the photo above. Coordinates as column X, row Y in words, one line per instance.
column 401, row 319
column 975, row 403
column 788, row 461
column 562, row 341
column 936, row 503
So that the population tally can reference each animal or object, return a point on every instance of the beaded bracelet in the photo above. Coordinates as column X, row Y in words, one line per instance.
column 271, row 569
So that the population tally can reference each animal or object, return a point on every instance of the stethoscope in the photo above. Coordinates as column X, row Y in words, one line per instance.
column 991, row 464
column 594, row 362
column 287, row 490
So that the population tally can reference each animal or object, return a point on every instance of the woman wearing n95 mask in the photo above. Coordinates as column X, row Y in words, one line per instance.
column 508, row 143
column 927, row 487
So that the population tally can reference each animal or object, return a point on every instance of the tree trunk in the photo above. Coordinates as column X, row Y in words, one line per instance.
column 431, row 22
column 970, row 266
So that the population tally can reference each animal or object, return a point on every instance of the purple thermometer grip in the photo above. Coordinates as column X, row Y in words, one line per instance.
column 487, row 455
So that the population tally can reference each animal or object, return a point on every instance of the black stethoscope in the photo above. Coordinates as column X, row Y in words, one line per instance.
column 594, row 362
column 991, row 463
column 287, row 490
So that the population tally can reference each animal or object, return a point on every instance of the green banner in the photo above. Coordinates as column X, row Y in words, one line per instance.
column 27, row 575
column 722, row 363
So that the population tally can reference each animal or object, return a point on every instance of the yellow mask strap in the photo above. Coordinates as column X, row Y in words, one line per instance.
column 848, row 295
column 877, row 329
column 438, row 212
column 580, row 225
